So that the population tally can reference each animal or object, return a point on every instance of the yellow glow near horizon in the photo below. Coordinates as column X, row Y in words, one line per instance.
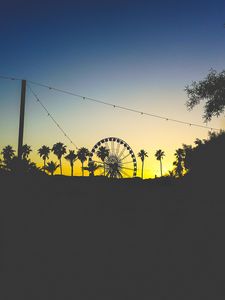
column 86, row 123
column 151, row 165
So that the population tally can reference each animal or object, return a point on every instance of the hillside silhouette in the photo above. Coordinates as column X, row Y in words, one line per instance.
column 100, row 238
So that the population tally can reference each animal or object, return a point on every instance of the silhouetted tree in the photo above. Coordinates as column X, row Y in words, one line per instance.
column 171, row 174
column 212, row 90
column 102, row 153
column 213, row 136
column 26, row 150
column 114, row 171
column 59, row 149
column 44, row 152
column 159, row 156
column 19, row 166
column 187, row 150
column 198, row 142
column 71, row 157
column 1, row 163
column 82, row 155
column 207, row 158
column 179, row 163
column 91, row 168
column 142, row 154
column 22, row 167
column 51, row 167
column 8, row 153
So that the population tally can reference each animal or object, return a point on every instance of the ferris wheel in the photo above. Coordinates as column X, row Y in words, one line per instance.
column 114, row 158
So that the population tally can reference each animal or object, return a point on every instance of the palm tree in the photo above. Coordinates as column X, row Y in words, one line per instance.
column 159, row 156
column 102, row 153
column 91, row 168
column 179, row 163
column 71, row 157
column 44, row 152
column 26, row 150
column 59, row 149
column 8, row 153
column 82, row 155
column 142, row 154
column 51, row 167
column 22, row 166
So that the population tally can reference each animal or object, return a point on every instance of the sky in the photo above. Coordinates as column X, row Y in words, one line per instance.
column 139, row 54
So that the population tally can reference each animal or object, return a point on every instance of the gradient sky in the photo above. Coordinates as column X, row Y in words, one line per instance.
column 139, row 54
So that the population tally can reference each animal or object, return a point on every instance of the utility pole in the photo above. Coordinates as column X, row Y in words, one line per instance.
column 21, row 123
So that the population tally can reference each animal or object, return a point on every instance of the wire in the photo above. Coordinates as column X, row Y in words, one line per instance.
column 51, row 117
column 122, row 107
column 114, row 105
column 10, row 78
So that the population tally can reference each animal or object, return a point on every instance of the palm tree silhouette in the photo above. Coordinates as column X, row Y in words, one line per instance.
column 82, row 155
column 102, row 153
column 22, row 166
column 44, row 152
column 179, row 168
column 51, row 167
column 91, row 168
column 159, row 156
column 26, row 150
column 142, row 154
column 71, row 157
column 8, row 153
column 114, row 171
column 59, row 149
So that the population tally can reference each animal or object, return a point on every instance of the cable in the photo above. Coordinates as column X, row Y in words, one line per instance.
column 10, row 78
column 122, row 107
column 114, row 105
column 49, row 115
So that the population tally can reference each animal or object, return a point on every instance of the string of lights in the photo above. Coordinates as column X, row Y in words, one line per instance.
column 9, row 78
column 115, row 105
column 51, row 117
column 123, row 107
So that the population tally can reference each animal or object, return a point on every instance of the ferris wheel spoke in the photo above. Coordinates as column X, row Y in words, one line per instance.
column 122, row 171
column 121, row 153
column 117, row 149
column 112, row 147
column 107, row 173
column 127, row 162
column 125, row 156
column 120, row 175
column 107, row 145
column 127, row 168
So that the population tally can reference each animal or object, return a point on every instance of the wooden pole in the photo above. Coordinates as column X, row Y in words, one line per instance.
column 21, row 123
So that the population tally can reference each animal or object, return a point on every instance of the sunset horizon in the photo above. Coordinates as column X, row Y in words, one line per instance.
column 152, row 168
column 112, row 149
column 139, row 56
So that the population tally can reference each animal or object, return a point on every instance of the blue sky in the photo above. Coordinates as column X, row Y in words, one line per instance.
column 135, row 53
column 48, row 36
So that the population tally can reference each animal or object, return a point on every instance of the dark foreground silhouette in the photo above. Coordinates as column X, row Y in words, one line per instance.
column 93, row 238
